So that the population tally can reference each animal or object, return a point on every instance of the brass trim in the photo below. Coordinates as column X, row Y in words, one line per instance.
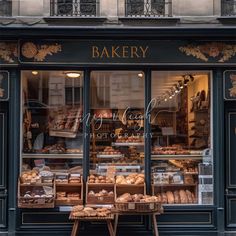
column 193, row 222
column 227, row 99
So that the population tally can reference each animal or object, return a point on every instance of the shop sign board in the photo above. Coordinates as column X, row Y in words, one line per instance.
column 145, row 52
column 230, row 85
column 4, row 86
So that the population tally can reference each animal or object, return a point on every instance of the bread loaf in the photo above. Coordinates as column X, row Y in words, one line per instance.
column 164, row 198
column 183, row 197
column 189, row 196
column 177, row 197
column 159, row 199
column 170, row 197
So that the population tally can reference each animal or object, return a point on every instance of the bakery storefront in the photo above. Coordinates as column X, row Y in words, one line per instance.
column 96, row 121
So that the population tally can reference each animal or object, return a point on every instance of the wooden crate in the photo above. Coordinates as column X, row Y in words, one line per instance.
column 68, row 188
column 93, row 200
column 130, row 188
column 35, row 202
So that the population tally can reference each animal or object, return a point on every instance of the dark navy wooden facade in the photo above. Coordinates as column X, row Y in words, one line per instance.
column 177, row 220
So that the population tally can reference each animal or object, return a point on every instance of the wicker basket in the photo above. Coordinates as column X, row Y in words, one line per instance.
column 139, row 207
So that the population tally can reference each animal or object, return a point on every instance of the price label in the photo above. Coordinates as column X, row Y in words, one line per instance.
column 131, row 206
column 111, row 171
column 151, row 206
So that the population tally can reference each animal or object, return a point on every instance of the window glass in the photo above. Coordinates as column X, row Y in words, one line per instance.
column 117, row 122
column 181, row 140
column 52, row 119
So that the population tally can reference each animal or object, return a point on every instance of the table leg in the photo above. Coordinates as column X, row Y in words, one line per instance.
column 115, row 223
column 110, row 228
column 154, row 220
column 75, row 228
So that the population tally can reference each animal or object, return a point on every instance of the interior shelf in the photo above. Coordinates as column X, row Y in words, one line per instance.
column 53, row 156
column 176, row 157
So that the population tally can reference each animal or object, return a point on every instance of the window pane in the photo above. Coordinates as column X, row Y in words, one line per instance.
column 52, row 120
column 181, row 141
column 117, row 122
column 135, row 7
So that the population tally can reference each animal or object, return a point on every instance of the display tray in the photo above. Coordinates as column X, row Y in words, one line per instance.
column 91, row 218
column 53, row 156
column 127, row 144
column 110, row 156
column 139, row 207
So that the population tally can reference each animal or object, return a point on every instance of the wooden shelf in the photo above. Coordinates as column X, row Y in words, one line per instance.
column 175, row 157
column 51, row 156
column 127, row 144
column 174, row 185
column 68, row 184
column 36, row 184
column 110, row 156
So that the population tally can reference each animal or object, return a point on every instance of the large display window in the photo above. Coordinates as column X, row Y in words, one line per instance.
column 116, row 135
column 52, row 139
column 180, row 134
column 182, row 171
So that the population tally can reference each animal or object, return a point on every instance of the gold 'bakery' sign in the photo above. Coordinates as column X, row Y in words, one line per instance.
column 124, row 51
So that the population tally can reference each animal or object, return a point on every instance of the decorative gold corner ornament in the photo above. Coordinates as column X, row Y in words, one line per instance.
column 221, row 51
column 39, row 52
column 8, row 51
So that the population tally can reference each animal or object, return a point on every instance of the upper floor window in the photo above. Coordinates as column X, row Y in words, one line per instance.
column 74, row 7
column 228, row 7
column 148, row 8
column 5, row 7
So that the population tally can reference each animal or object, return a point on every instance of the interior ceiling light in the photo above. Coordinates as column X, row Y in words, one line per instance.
column 73, row 74
column 34, row 72
column 140, row 75
column 181, row 86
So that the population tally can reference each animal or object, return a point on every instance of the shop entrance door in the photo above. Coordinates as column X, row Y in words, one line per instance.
column 230, row 164
column 3, row 167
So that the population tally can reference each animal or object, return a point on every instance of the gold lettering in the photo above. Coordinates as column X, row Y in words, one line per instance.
column 133, row 52
column 114, row 52
column 144, row 50
column 125, row 51
column 104, row 53
column 95, row 52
